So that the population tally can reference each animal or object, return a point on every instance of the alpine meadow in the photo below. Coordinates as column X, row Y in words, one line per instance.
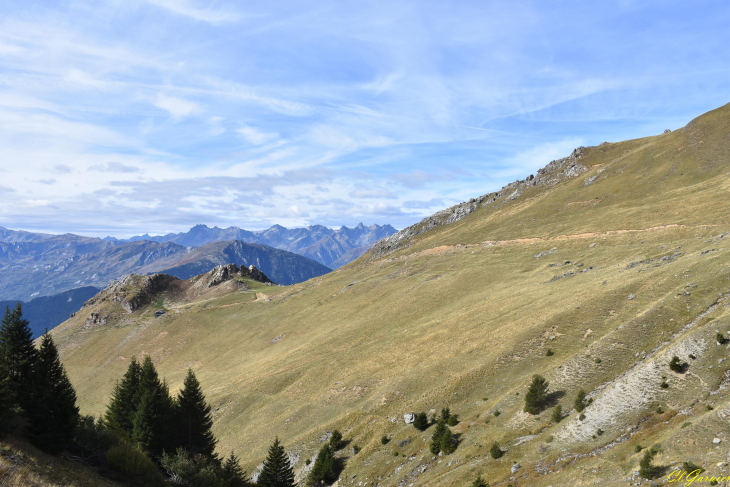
column 605, row 272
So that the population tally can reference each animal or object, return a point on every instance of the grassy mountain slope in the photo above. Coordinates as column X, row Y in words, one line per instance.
column 616, row 259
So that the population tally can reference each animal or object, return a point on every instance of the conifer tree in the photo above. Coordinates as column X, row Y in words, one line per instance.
column 17, row 355
column 277, row 471
column 421, row 421
column 479, row 482
column 7, row 412
column 154, row 412
column 195, row 419
column 496, row 451
column 52, row 412
column 536, row 395
column 232, row 474
column 448, row 445
column 324, row 468
column 436, row 437
column 336, row 440
column 646, row 468
column 120, row 412
column 557, row 415
column 580, row 399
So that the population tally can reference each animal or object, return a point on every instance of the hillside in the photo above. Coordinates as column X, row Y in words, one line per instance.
column 614, row 258
column 330, row 247
column 50, row 311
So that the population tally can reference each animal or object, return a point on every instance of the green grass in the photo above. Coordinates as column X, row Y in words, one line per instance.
column 381, row 337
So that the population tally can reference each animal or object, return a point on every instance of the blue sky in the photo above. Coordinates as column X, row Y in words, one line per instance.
column 133, row 116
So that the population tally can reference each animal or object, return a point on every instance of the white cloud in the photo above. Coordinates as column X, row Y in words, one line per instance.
column 204, row 14
column 256, row 136
column 372, row 193
column 177, row 107
column 114, row 166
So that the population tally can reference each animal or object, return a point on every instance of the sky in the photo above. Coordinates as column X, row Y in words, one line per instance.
column 125, row 117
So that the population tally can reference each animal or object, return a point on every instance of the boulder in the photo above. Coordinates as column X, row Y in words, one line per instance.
column 409, row 418
column 516, row 467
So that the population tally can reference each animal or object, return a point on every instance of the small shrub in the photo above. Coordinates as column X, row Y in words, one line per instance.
column 721, row 339
column 133, row 461
column 549, row 352
column 684, row 425
column 384, row 440
column 692, row 356
column 452, row 421
column 497, row 413
column 600, row 432
column 356, row 449
column 580, row 400
column 675, row 365
column 495, row 451
column 549, row 439
column 307, row 461
column 597, row 360
column 690, row 467
column 655, row 448
column 395, row 453
column 557, row 415
column 479, row 482
column 708, row 407
column 485, row 399
column 421, row 422
column 581, row 417
column 659, row 410
column 664, row 385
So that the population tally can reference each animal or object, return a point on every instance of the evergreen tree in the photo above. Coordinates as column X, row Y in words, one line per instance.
column 277, row 471
column 336, row 440
column 7, row 412
column 646, row 469
column 447, row 442
column 120, row 412
column 195, row 419
column 154, row 413
column 436, row 437
column 325, row 468
column 580, row 401
column 421, row 421
column 479, row 482
column 496, row 451
column 536, row 395
column 557, row 415
column 232, row 474
column 52, row 412
column 17, row 355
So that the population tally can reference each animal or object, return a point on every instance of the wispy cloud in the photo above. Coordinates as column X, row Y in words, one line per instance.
column 214, row 111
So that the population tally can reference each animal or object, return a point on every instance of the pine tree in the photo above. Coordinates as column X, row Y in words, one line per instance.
column 154, row 411
column 447, row 443
column 52, row 412
column 421, row 421
column 195, row 419
column 436, row 437
column 277, row 471
column 479, row 482
column 557, row 415
column 336, row 440
column 120, row 413
column 496, row 451
column 536, row 395
column 232, row 474
column 7, row 413
column 646, row 469
column 324, row 468
column 580, row 401
column 17, row 355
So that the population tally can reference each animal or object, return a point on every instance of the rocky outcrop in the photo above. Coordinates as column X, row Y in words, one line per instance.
column 223, row 273
column 555, row 172
column 133, row 291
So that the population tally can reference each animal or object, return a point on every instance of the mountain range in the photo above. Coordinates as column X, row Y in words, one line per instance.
column 594, row 273
column 37, row 264
column 330, row 247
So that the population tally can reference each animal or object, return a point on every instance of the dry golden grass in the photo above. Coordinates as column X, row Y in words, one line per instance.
column 463, row 318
